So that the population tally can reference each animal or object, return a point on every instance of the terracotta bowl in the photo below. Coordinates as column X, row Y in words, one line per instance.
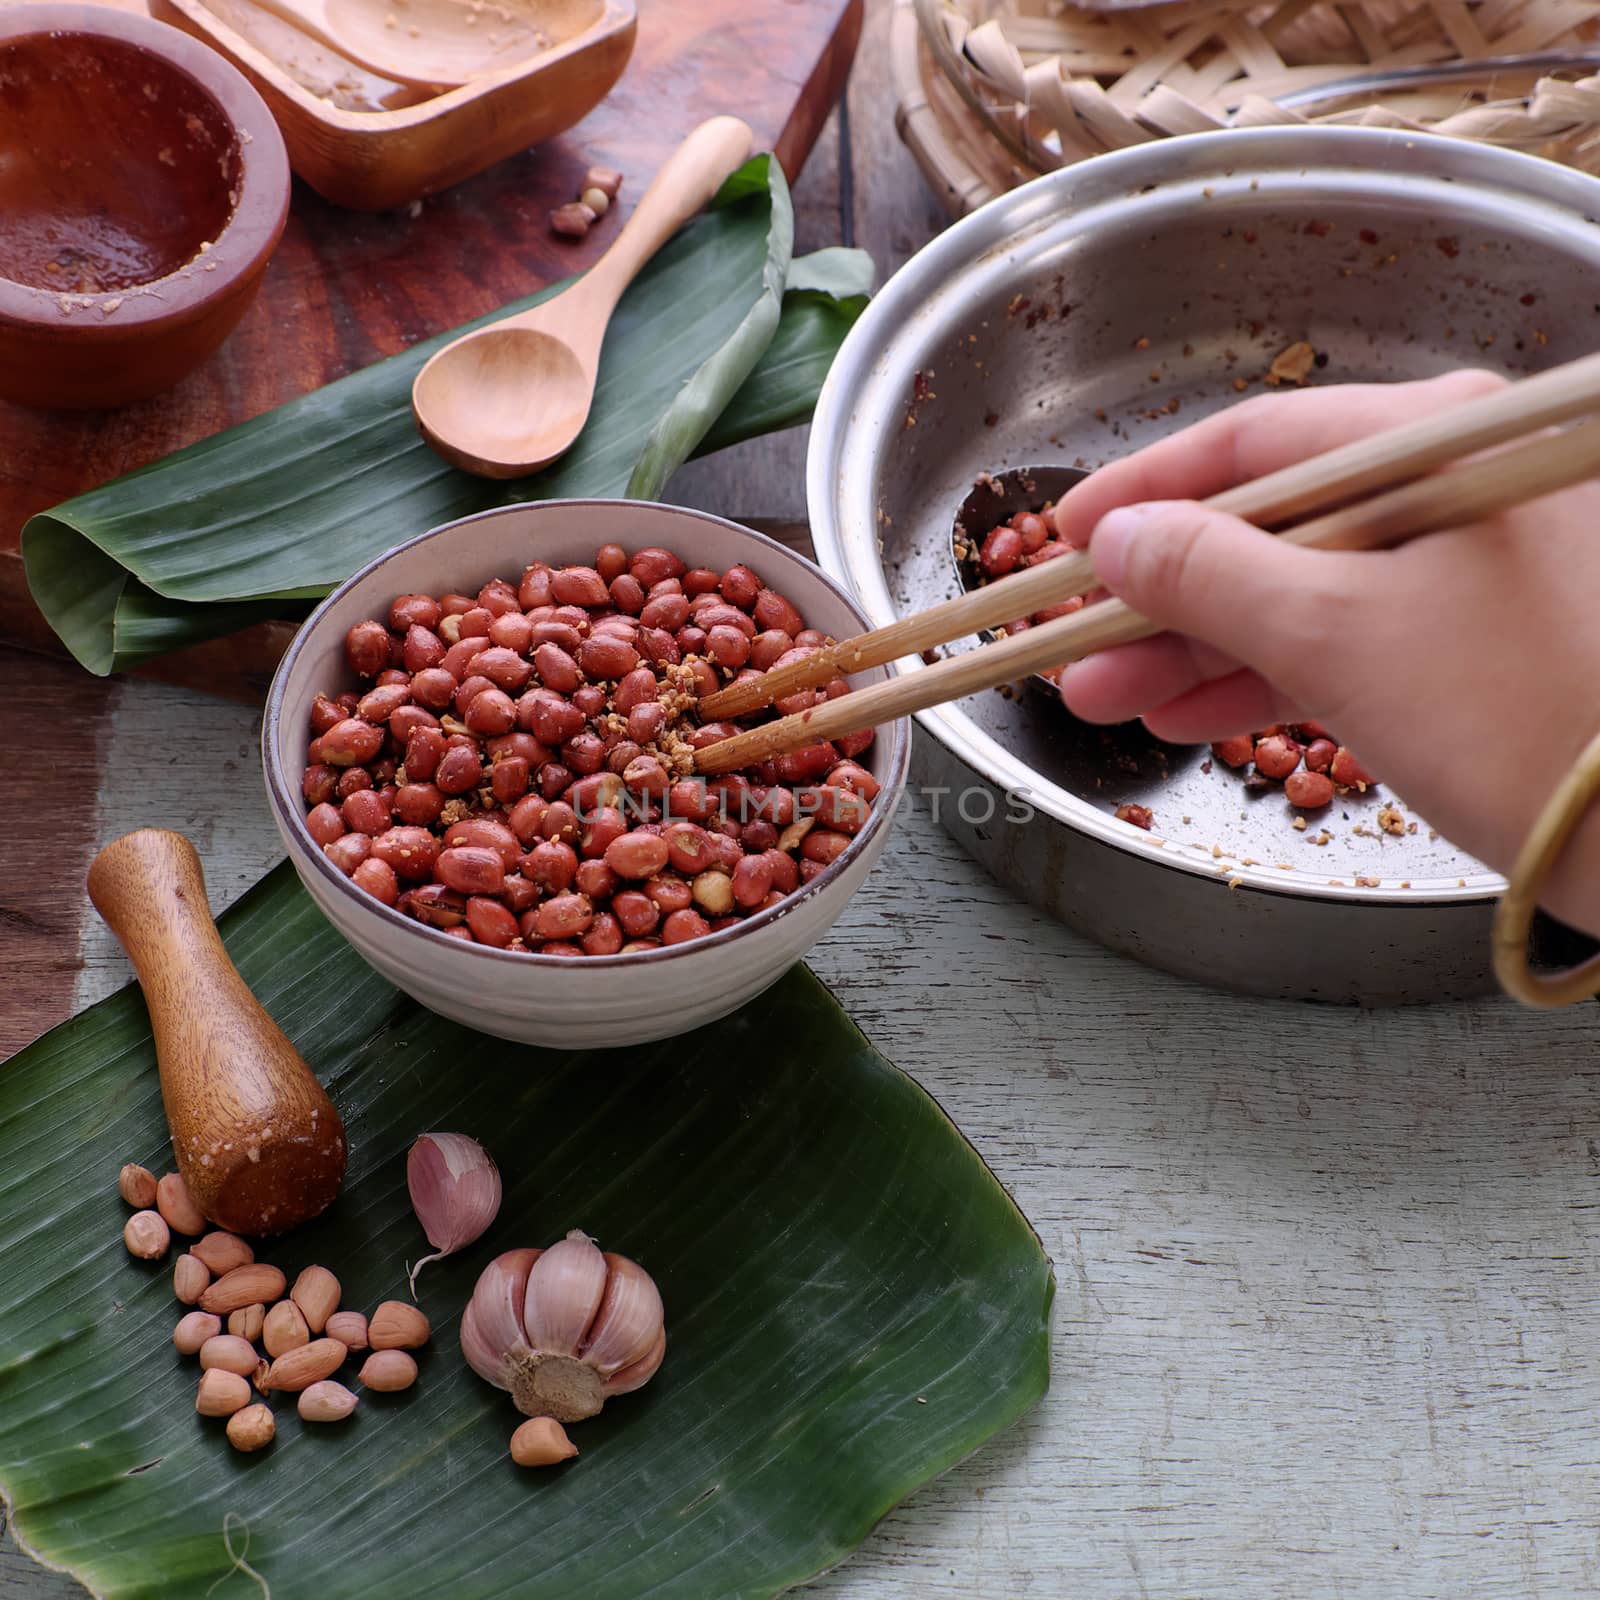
column 561, row 1002
column 143, row 186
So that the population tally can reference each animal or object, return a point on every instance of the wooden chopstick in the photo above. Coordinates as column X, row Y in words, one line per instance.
column 1353, row 470
column 1465, row 492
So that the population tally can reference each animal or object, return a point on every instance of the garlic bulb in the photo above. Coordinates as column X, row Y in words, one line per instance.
column 455, row 1192
column 564, row 1329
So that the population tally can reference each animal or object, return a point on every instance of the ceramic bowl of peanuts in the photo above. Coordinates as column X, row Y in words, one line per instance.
column 481, row 757
column 561, row 1330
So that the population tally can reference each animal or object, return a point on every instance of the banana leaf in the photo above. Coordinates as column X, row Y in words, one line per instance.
column 853, row 1304
column 265, row 517
column 827, row 290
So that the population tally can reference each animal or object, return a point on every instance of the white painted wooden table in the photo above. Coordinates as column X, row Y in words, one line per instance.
column 1328, row 1309
column 1327, row 1323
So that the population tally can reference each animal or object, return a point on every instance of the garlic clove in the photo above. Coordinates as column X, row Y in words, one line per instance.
column 641, row 1372
column 565, row 1288
column 481, row 1353
column 629, row 1320
column 454, row 1167
column 455, row 1192
column 491, row 1327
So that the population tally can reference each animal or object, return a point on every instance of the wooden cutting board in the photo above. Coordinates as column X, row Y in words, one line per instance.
column 347, row 288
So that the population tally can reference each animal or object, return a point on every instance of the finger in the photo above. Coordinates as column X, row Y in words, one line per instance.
column 1115, row 685
column 1256, row 437
column 1220, row 709
column 1282, row 609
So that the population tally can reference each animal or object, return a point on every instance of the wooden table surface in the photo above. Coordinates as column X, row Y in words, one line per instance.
column 347, row 288
column 1327, row 1322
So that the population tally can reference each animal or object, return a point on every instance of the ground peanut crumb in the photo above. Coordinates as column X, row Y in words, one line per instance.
column 1391, row 819
column 1299, row 824
column 1365, row 882
column 1292, row 365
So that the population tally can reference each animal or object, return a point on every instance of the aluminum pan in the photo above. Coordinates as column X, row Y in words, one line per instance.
column 1396, row 255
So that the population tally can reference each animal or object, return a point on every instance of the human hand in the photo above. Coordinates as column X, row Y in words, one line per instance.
column 1461, row 668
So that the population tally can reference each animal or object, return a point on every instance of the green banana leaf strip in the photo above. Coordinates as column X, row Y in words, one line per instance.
column 827, row 291
column 284, row 507
column 779, row 393
column 853, row 1304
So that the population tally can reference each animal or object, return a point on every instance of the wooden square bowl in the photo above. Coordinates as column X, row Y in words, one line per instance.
column 367, row 142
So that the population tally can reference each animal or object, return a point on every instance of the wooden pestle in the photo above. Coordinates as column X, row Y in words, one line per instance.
column 256, row 1137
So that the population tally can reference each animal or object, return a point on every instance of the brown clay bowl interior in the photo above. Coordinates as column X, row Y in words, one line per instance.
column 143, row 186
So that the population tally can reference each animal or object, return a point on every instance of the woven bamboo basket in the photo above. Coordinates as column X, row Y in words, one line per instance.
column 990, row 93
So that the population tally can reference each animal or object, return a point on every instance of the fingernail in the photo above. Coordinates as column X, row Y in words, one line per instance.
column 1110, row 541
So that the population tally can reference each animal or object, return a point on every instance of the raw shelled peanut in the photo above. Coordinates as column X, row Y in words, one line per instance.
column 397, row 1326
column 541, row 1442
column 222, row 1252
column 573, row 219
column 147, row 1235
column 350, row 1328
column 248, row 1321
column 231, row 1354
column 597, row 191
column 244, row 1286
column 189, row 1278
column 325, row 1401
column 252, row 1428
column 260, row 1375
column 516, row 767
column 137, row 1185
column 221, row 1393
column 284, row 1329
column 316, row 1292
column 192, row 1332
column 306, row 1365
column 176, row 1204
column 388, row 1371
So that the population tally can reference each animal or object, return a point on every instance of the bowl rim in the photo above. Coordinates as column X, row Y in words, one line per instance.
column 289, row 811
column 258, row 214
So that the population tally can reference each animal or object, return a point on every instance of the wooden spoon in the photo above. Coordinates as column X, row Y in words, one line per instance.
column 509, row 398
column 256, row 1138
column 433, row 44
